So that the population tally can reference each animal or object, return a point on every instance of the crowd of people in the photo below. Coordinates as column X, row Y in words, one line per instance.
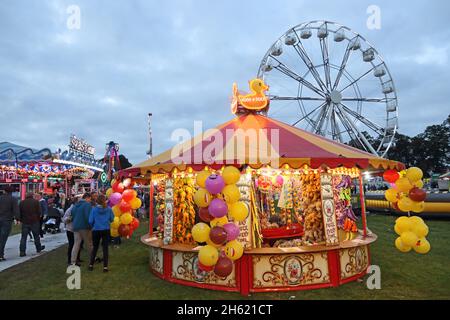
column 86, row 218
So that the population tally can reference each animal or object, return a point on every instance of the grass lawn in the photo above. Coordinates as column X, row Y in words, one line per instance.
column 16, row 228
column 403, row 276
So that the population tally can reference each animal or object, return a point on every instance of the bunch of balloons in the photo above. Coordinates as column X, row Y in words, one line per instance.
column 412, row 232
column 217, row 198
column 123, row 200
column 406, row 194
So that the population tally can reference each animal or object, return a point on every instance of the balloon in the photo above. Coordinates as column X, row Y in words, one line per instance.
column 279, row 180
column 391, row 175
column 201, row 178
column 128, row 195
column 391, row 195
column 218, row 235
column 405, row 204
column 238, row 211
column 417, row 194
column 409, row 238
column 116, row 210
column 109, row 192
column 223, row 267
column 134, row 224
column 418, row 184
column 232, row 231
column 218, row 208
column 234, row 250
column 219, row 221
column 214, row 184
column 116, row 223
column 404, row 224
column 202, row 198
column 208, row 255
column 127, row 182
column 126, row 218
column 113, row 181
column 212, row 243
column 418, row 207
column 124, row 230
column 114, row 233
column 231, row 175
column 136, row 203
column 124, row 206
column 200, row 232
column 118, row 187
column 403, row 184
column 204, row 215
column 420, row 229
column 205, row 268
column 397, row 229
column 231, row 193
column 400, row 246
column 115, row 198
column 414, row 174
column 422, row 246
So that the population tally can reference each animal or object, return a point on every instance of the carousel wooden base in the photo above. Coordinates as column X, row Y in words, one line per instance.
column 266, row 269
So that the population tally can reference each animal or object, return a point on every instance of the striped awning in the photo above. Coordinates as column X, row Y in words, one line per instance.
column 257, row 140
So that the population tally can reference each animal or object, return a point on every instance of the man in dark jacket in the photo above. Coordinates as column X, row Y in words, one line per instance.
column 30, row 216
column 44, row 211
column 9, row 210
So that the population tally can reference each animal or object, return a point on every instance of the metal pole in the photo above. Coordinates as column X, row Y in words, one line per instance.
column 151, row 209
column 363, row 205
column 150, row 149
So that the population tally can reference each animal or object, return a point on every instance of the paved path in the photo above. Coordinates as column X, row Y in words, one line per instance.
column 50, row 241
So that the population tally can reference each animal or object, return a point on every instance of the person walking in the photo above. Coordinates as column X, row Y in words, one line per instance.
column 30, row 214
column 9, row 210
column 100, row 219
column 44, row 212
column 80, row 223
column 67, row 219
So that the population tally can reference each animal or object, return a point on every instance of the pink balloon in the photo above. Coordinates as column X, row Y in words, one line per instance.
column 115, row 198
column 214, row 184
column 280, row 180
column 218, row 208
column 232, row 231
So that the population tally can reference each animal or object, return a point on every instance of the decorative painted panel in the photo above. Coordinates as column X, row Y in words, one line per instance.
column 284, row 270
column 353, row 261
column 156, row 260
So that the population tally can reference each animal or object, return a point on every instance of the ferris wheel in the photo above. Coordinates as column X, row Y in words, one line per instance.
column 330, row 80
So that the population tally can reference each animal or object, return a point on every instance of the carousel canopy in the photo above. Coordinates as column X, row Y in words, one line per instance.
column 12, row 152
column 241, row 140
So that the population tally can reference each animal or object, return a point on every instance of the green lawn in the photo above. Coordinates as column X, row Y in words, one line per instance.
column 404, row 276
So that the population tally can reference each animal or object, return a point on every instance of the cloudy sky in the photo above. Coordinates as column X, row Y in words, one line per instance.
column 178, row 59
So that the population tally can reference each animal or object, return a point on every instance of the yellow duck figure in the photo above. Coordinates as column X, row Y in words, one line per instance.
column 257, row 100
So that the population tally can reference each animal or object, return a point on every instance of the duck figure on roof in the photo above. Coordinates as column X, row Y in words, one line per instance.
column 256, row 101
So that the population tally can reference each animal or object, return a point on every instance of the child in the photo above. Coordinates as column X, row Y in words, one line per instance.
column 100, row 219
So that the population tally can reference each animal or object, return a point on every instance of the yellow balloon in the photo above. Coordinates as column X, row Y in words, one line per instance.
column 208, row 255
column 202, row 198
column 114, row 233
column 136, row 203
column 231, row 175
column 403, row 224
column 201, row 178
column 414, row 174
column 405, row 204
column 231, row 193
column 200, row 232
column 403, row 185
column 219, row 221
column 419, row 227
column 109, row 192
column 126, row 218
column 238, row 211
column 397, row 229
column 423, row 246
column 234, row 250
column 116, row 210
column 419, row 184
column 409, row 238
column 418, row 207
column 400, row 246
column 116, row 223
column 112, row 182
column 391, row 195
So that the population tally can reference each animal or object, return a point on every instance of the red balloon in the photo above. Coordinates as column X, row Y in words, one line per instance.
column 204, row 215
column 124, row 206
column 417, row 194
column 395, row 206
column 127, row 182
column 118, row 187
column 128, row 195
column 223, row 267
column 134, row 224
column 218, row 235
column 124, row 230
column 205, row 268
column 391, row 175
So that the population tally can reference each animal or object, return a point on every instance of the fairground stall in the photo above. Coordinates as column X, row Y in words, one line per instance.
column 271, row 198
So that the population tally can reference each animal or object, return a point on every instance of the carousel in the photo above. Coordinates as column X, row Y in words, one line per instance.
column 257, row 205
